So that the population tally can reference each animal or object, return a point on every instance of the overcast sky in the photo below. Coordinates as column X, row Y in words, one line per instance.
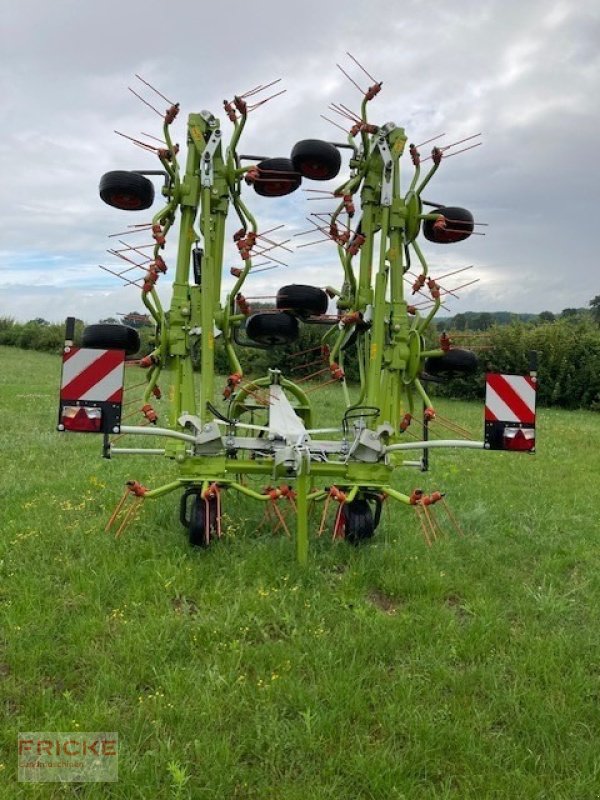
column 525, row 74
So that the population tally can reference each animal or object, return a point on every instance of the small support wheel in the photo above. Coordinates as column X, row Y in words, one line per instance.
column 358, row 520
column 199, row 516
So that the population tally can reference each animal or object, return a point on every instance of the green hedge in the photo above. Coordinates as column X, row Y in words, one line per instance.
column 569, row 356
column 569, row 361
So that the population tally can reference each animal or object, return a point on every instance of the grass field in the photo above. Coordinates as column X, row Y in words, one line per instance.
column 468, row 670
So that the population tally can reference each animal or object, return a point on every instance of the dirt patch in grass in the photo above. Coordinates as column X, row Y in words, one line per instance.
column 184, row 605
column 456, row 604
column 383, row 601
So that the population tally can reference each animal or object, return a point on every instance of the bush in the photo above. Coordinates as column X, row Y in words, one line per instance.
column 569, row 362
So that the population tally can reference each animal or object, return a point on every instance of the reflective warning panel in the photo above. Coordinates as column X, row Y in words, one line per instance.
column 510, row 412
column 91, row 390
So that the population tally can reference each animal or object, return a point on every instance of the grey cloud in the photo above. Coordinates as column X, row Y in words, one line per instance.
column 525, row 74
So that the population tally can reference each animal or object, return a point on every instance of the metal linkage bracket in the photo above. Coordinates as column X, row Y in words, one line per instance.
column 388, row 172
column 206, row 166
column 208, row 437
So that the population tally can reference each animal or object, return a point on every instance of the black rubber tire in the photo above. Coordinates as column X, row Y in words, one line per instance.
column 455, row 361
column 305, row 301
column 197, row 534
column 111, row 337
column 358, row 521
column 274, row 329
column 277, row 177
column 127, row 191
column 316, row 160
column 459, row 225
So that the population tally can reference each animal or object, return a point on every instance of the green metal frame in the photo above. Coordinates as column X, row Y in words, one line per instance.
column 391, row 346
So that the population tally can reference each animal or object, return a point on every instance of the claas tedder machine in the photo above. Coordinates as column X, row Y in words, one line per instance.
column 262, row 441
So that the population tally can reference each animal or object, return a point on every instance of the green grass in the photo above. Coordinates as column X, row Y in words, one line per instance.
column 468, row 670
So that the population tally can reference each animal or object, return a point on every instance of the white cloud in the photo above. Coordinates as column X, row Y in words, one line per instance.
column 526, row 75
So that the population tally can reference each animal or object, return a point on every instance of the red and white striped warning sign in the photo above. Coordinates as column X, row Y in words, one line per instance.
column 510, row 398
column 92, row 375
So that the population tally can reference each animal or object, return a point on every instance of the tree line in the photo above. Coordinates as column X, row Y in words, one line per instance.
column 567, row 344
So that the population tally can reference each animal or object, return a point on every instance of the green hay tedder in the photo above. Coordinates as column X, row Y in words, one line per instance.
column 262, row 441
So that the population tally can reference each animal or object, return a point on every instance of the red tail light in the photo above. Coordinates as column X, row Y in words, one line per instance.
column 82, row 419
column 519, row 439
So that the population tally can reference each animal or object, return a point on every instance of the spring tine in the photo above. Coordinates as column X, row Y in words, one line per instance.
column 314, row 230
column 124, row 258
column 250, row 92
column 429, row 300
column 312, row 375
column 277, row 244
column 128, row 233
column 345, row 114
column 154, row 89
column 115, row 513
column 139, row 97
column 338, row 221
column 464, row 285
column 271, row 230
column 265, row 269
column 458, row 230
column 128, row 515
column 136, row 141
column 352, row 113
column 427, row 141
column 337, row 524
column 266, row 100
column 352, row 81
column 358, row 64
column 324, row 515
column 317, row 241
column 452, row 518
column 420, row 516
column 460, row 141
column 320, row 386
column 304, row 366
column 281, row 520
column 260, row 88
column 454, row 272
column 271, row 258
column 150, row 136
column 428, row 517
column 117, row 275
column 451, row 426
column 302, row 352
column 333, row 123
column 136, row 248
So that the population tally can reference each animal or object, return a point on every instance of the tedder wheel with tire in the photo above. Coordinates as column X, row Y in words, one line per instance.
column 276, row 177
column 454, row 361
column 316, row 160
column 358, row 521
column 105, row 336
column 455, row 225
column 272, row 328
column 225, row 430
column 305, row 301
column 128, row 191
column 200, row 516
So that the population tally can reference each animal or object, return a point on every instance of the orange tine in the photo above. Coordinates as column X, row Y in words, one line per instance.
column 115, row 513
